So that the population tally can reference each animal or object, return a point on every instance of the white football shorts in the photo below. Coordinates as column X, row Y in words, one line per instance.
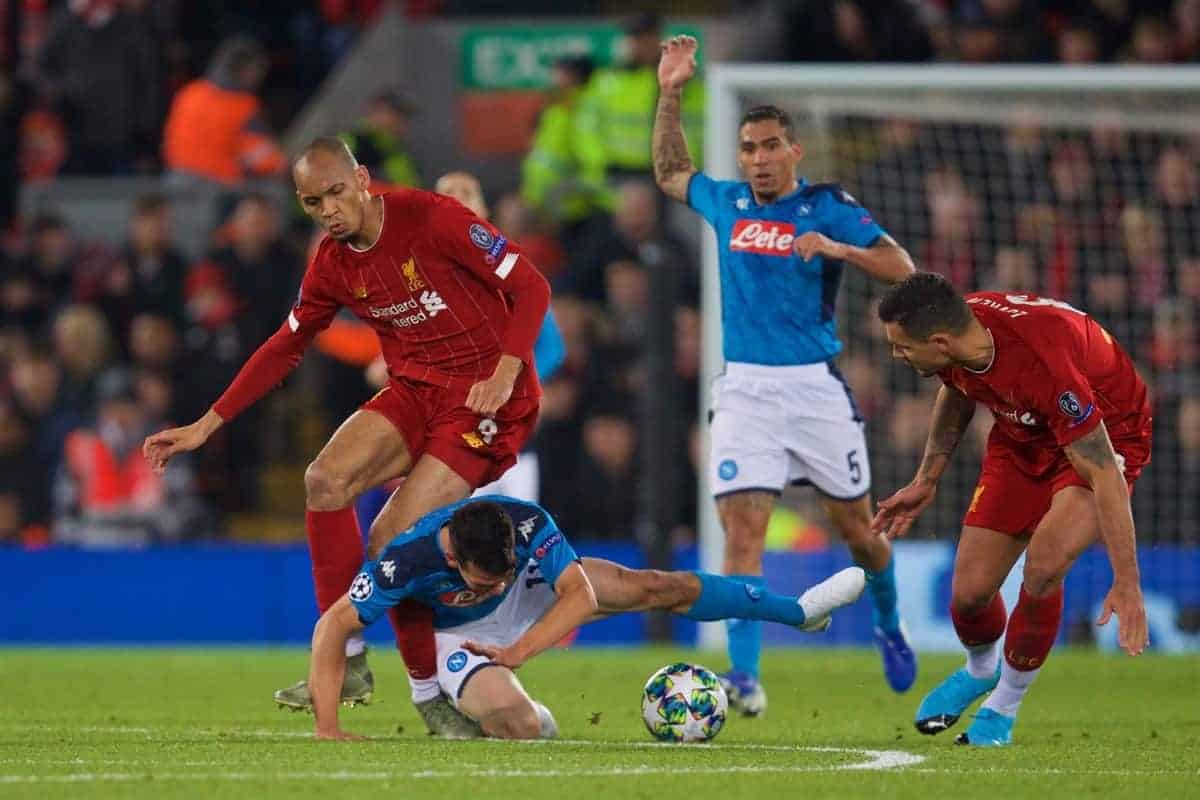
column 774, row 426
column 526, row 602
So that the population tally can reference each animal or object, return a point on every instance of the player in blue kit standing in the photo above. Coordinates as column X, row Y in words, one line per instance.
column 504, row 585
column 782, row 412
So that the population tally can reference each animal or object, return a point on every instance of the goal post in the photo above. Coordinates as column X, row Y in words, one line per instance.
column 1075, row 182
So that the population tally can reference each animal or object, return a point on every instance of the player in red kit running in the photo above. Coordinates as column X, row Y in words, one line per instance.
column 457, row 308
column 1071, row 436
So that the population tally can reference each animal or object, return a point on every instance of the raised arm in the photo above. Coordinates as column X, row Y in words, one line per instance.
column 1093, row 458
column 673, row 166
column 952, row 413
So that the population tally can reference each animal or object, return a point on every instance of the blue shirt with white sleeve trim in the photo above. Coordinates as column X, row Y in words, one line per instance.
column 776, row 308
column 413, row 565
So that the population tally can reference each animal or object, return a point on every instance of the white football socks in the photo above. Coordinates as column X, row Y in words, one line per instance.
column 982, row 659
column 423, row 689
column 355, row 645
column 1006, row 697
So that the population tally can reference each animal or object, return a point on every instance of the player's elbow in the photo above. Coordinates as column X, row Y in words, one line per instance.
column 900, row 264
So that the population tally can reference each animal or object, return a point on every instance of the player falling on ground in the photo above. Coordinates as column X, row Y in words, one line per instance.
column 782, row 412
column 1052, row 481
column 456, row 308
column 505, row 584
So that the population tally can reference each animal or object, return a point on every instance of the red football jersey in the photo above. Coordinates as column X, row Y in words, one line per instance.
column 1055, row 375
column 445, row 291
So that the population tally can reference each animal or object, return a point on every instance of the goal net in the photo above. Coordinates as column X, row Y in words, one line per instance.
column 1077, row 184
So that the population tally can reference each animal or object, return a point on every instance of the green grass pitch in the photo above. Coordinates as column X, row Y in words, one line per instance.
column 199, row 723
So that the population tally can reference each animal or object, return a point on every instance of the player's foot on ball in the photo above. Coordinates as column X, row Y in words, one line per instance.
column 899, row 660
column 443, row 719
column 746, row 695
column 988, row 729
column 820, row 601
column 942, row 707
column 358, row 686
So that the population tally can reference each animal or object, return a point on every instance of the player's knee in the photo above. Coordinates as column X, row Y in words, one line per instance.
column 970, row 601
column 1044, row 574
column 324, row 490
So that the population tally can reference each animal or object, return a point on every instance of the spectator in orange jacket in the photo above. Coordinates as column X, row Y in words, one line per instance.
column 215, row 128
column 107, row 494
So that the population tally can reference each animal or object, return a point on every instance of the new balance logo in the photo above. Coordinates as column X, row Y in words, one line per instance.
column 766, row 238
column 433, row 303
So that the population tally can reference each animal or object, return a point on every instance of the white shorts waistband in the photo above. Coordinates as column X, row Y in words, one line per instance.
column 735, row 369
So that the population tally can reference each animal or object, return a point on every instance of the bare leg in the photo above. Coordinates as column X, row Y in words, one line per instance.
column 619, row 589
column 429, row 486
column 495, row 699
column 1069, row 527
column 852, row 520
column 744, row 517
column 364, row 451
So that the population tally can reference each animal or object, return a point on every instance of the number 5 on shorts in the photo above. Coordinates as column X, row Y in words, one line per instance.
column 855, row 468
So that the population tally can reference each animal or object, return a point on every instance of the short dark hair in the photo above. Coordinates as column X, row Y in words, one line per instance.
column 330, row 146
column 481, row 534
column 768, row 112
column 924, row 304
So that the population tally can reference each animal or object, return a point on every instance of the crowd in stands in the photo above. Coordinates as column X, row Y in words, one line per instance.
column 100, row 345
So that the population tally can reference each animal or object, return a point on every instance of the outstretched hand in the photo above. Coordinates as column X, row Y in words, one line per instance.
column 1126, row 602
column 678, row 62
column 160, row 447
column 898, row 513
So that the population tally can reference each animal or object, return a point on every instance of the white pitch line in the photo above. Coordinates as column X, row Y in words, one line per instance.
column 876, row 760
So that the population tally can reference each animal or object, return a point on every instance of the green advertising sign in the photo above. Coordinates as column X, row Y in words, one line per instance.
column 507, row 58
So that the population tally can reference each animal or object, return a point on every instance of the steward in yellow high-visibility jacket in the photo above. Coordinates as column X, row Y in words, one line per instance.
column 553, row 179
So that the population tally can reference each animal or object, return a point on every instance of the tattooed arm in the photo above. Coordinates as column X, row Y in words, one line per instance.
column 1093, row 458
column 673, row 167
column 952, row 413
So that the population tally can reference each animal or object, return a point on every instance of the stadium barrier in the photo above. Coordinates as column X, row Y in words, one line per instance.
column 226, row 594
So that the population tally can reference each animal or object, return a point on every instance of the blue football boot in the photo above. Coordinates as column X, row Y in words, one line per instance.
column 942, row 707
column 745, row 693
column 989, row 729
column 899, row 660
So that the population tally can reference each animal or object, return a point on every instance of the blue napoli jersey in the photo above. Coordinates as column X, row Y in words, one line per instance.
column 549, row 350
column 413, row 565
column 776, row 308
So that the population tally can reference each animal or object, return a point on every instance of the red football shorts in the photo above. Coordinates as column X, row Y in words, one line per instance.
column 1011, row 498
column 434, row 420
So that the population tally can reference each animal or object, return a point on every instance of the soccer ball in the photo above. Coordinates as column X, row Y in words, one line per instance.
column 684, row 703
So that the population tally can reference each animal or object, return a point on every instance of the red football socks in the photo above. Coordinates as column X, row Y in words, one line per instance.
column 982, row 627
column 336, row 548
column 413, row 624
column 1032, row 629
